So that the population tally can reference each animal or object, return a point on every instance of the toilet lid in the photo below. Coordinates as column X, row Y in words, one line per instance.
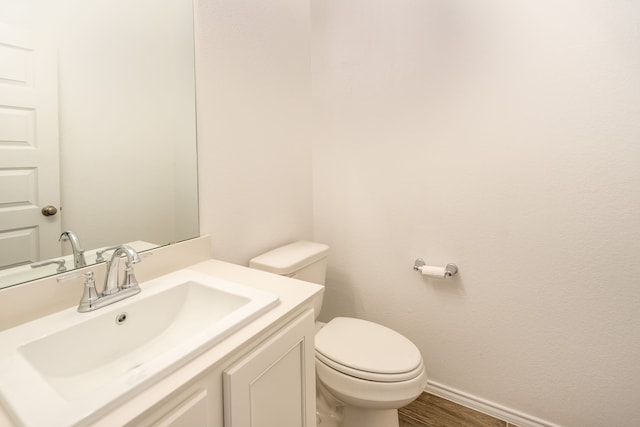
column 367, row 350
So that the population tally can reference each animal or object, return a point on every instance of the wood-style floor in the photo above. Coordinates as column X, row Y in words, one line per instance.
column 433, row 411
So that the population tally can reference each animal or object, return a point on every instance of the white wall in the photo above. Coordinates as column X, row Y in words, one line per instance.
column 499, row 135
column 254, row 145
column 502, row 136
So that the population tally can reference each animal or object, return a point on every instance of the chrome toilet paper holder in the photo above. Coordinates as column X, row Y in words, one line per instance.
column 449, row 270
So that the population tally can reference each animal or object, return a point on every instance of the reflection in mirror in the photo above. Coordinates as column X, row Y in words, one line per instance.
column 97, row 130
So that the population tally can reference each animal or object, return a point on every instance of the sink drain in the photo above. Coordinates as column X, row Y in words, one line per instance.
column 121, row 318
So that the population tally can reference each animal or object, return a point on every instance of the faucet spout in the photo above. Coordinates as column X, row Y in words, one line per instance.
column 111, row 280
column 78, row 252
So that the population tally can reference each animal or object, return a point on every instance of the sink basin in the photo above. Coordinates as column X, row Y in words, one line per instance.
column 69, row 365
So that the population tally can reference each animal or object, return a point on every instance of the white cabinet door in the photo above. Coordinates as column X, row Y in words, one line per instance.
column 275, row 384
column 29, row 159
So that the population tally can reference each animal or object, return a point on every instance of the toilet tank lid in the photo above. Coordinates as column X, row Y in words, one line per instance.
column 290, row 258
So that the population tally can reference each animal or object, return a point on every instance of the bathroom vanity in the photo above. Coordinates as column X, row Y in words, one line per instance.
column 261, row 374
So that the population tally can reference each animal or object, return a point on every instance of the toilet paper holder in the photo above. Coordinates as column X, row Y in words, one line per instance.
column 448, row 271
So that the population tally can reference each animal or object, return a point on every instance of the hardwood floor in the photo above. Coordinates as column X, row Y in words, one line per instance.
column 433, row 411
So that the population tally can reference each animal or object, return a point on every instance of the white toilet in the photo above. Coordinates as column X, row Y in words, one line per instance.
column 370, row 370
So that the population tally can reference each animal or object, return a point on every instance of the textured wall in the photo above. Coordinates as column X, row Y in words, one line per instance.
column 502, row 136
column 254, row 147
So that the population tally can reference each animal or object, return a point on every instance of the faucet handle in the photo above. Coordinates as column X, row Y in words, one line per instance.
column 61, row 267
column 90, row 295
column 70, row 276
column 100, row 253
column 130, row 280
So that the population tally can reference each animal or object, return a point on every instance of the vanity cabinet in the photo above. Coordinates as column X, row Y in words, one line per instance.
column 272, row 384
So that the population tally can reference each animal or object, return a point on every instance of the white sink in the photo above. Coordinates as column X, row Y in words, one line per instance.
column 62, row 368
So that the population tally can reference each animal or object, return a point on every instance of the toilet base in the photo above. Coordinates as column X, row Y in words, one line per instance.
column 367, row 417
column 334, row 413
column 328, row 408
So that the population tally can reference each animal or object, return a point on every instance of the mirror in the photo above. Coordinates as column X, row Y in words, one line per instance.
column 120, row 113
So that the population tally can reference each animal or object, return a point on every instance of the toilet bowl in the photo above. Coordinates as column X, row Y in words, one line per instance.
column 371, row 369
column 367, row 371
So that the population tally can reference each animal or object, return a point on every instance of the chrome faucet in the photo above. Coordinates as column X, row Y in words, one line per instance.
column 111, row 280
column 112, row 292
column 78, row 252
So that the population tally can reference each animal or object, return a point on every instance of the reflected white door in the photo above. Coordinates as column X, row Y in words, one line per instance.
column 29, row 159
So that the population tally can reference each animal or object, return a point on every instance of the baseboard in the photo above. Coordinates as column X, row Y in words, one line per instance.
column 481, row 405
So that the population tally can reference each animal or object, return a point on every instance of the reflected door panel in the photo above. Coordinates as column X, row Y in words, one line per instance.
column 29, row 167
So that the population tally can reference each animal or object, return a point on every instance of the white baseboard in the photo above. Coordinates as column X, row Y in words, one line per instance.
column 481, row 405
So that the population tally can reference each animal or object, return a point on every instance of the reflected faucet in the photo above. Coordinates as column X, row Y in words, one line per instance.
column 78, row 252
column 61, row 267
column 101, row 252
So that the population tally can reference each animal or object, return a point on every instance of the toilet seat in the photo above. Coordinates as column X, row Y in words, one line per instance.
column 371, row 376
column 368, row 351
column 370, row 394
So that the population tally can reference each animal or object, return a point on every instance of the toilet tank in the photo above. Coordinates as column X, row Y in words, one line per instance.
column 301, row 260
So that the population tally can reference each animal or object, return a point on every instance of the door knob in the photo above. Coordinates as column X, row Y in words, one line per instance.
column 49, row 210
